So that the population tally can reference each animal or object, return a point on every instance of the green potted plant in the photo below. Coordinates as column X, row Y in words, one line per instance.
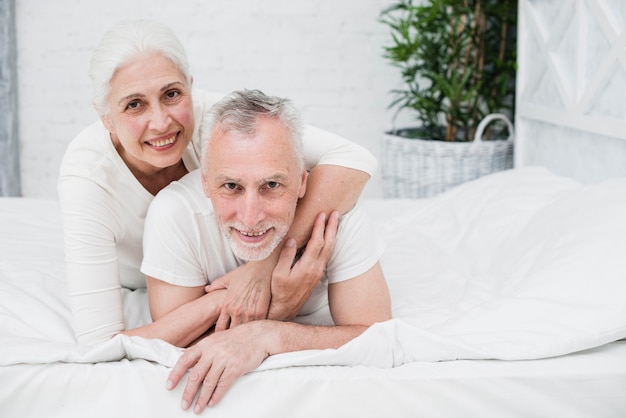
column 458, row 63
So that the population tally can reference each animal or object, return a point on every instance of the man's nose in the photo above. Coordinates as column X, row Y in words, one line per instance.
column 252, row 211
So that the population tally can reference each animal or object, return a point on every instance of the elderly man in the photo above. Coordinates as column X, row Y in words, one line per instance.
column 238, row 208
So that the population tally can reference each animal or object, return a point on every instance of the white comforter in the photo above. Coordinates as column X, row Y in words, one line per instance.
column 520, row 264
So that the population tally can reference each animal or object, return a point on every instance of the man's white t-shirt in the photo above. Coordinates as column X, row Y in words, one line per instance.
column 183, row 244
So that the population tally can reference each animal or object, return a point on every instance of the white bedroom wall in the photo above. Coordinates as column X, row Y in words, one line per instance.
column 324, row 54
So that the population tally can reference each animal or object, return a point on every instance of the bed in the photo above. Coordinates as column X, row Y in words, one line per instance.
column 508, row 292
column 508, row 300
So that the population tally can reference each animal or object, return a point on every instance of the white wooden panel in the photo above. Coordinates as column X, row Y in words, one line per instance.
column 571, row 87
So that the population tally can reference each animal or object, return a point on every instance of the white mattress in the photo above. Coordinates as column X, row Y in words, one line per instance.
column 521, row 266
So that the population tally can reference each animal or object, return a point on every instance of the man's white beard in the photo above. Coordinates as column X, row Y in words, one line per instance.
column 254, row 252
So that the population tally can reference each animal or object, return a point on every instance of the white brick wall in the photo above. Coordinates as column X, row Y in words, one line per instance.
column 324, row 54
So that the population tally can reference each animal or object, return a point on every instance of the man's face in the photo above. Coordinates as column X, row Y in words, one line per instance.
column 254, row 182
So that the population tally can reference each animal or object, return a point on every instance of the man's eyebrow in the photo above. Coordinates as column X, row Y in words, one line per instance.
column 281, row 177
column 225, row 179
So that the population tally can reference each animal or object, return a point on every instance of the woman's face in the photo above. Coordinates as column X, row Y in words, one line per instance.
column 151, row 113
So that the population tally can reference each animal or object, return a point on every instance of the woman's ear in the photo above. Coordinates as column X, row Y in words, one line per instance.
column 104, row 118
column 205, row 185
column 106, row 121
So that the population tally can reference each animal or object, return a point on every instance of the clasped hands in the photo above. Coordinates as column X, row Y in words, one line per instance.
column 255, row 291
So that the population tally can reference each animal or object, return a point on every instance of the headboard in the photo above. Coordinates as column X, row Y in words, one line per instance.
column 571, row 87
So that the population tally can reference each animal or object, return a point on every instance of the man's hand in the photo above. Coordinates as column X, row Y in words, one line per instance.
column 249, row 290
column 217, row 361
column 293, row 283
column 248, row 296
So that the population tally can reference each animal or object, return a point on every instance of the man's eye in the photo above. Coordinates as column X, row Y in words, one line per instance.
column 272, row 185
column 230, row 186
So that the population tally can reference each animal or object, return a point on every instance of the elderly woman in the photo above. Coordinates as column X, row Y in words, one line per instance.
column 148, row 136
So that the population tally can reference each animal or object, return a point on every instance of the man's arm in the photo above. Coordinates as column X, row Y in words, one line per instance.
column 218, row 360
column 180, row 314
column 363, row 300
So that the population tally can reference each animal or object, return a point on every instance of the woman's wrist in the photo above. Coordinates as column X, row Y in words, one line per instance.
column 262, row 269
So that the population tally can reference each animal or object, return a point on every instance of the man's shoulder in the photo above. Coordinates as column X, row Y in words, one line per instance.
column 355, row 230
column 357, row 246
column 354, row 218
column 186, row 195
column 191, row 181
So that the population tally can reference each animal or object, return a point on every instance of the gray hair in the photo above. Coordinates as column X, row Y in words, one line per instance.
column 240, row 111
column 125, row 41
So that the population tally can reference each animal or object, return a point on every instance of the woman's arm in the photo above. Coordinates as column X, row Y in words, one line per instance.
column 180, row 314
column 93, row 278
column 339, row 170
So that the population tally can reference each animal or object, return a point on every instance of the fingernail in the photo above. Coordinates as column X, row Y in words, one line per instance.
column 290, row 242
column 197, row 409
column 184, row 404
column 169, row 385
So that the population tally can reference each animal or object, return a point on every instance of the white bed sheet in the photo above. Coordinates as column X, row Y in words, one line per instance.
column 517, row 265
column 581, row 385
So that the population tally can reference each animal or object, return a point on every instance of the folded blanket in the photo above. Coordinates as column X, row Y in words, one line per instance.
column 520, row 264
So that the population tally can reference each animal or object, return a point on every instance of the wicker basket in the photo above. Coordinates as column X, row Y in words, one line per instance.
column 417, row 168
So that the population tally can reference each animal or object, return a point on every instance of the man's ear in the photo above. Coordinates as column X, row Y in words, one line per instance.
column 305, row 175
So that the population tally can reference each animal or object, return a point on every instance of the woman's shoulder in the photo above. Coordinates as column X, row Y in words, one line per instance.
column 91, row 157
column 92, row 142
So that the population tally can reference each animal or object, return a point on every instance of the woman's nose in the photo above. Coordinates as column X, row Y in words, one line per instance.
column 160, row 118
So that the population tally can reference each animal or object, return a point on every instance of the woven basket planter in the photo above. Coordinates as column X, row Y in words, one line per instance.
column 418, row 168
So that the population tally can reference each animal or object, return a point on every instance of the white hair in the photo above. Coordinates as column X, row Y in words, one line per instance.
column 126, row 41
column 240, row 111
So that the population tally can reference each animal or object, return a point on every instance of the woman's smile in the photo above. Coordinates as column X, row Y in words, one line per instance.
column 162, row 143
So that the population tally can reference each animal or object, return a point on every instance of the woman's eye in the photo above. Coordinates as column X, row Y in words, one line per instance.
column 133, row 105
column 172, row 94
